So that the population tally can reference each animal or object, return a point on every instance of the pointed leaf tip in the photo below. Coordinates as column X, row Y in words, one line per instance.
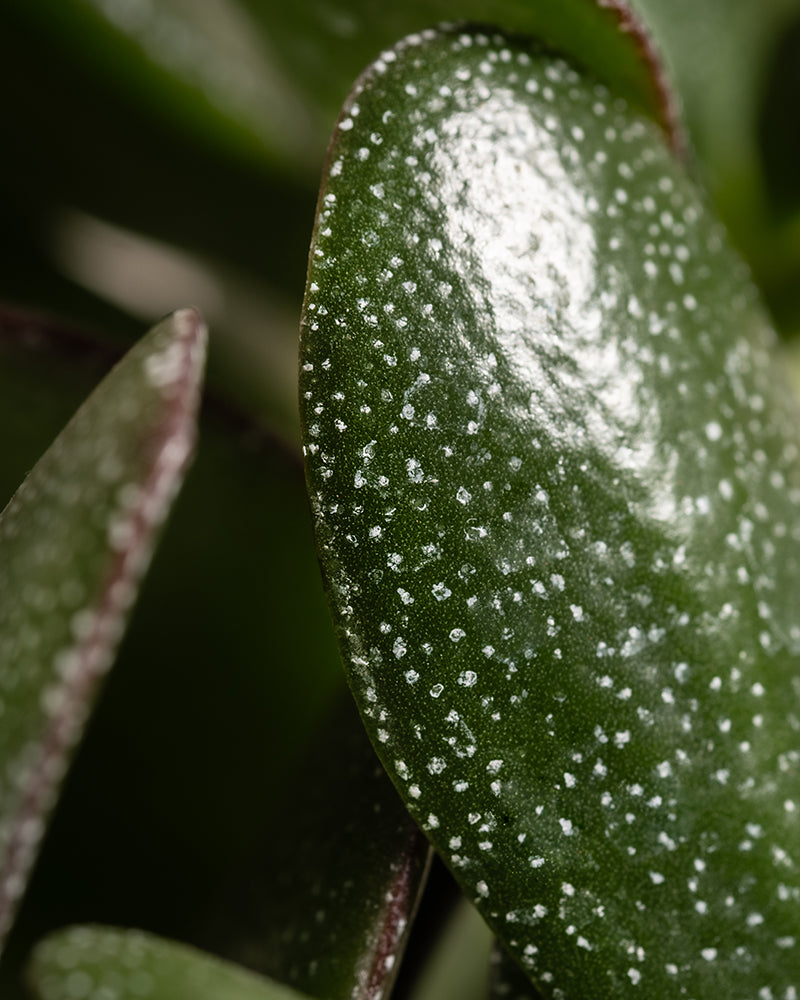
column 74, row 542
column 555, row 479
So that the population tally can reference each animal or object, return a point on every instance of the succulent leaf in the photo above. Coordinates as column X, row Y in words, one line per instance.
column 74, row 542
column 554, row 474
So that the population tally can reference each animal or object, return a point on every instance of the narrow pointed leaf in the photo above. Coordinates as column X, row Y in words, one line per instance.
column 230, row 637
column 74, row 542
column 83, row 963
column 555, row 482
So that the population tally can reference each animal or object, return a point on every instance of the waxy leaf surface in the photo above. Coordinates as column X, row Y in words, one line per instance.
column 554, row 476
column 84, row 963
column 74, row 542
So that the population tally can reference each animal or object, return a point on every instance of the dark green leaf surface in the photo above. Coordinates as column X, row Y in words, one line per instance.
column 555, row 482
column 46, row 372
column 86, row 963
column 74, row 542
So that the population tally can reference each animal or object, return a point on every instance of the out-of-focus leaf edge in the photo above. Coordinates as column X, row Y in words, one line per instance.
column 172, row 451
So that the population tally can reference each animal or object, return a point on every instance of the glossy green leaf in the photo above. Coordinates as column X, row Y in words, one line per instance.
column 85, row 963
column 327, row 902
column 74, row 542
column 325, row 45
column 555, row 481
column 141, row 102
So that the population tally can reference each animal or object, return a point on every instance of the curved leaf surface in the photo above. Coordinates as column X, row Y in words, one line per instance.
column 83, row 963
column 74, row 542
column 555, row 482
column 324, row 46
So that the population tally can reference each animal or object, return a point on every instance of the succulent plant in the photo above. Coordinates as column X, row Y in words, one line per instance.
column 552, row 473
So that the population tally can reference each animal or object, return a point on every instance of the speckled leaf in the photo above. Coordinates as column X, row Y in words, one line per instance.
column 555, row 484
column 86, row 963
column 329, row 903
column 74, row 542
column 325, row 44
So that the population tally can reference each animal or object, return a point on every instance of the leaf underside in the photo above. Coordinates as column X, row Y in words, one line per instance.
column 74, row 542
column 555, row 484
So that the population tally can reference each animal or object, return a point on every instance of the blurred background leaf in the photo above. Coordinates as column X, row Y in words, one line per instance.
column 735, row 65
column 327, row 900
column 85, row 963
column 75, row 540
column 228, row 666
column 457, row 967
